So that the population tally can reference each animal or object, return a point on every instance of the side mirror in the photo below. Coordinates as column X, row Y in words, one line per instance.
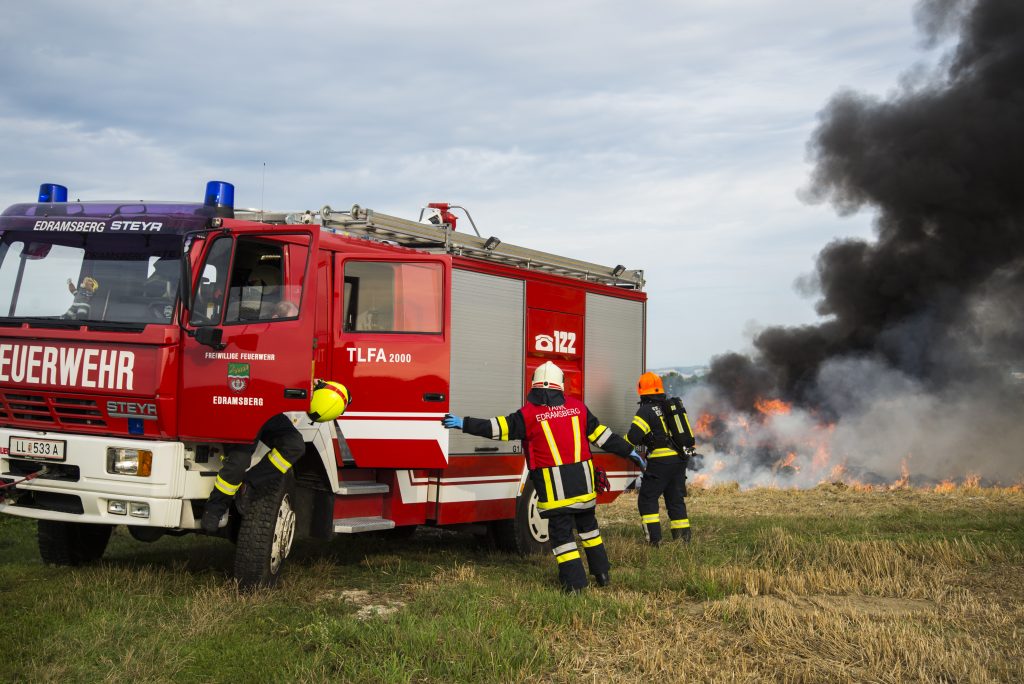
column 211, row 337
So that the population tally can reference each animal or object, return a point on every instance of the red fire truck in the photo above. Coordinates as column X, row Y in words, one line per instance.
column 139, row 341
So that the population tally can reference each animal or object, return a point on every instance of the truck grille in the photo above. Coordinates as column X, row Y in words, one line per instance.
column 49, row 411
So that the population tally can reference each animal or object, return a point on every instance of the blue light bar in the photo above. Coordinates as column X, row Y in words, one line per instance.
column 51, row 192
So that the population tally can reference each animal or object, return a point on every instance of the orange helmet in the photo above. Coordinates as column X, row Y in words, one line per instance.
column 649, row 383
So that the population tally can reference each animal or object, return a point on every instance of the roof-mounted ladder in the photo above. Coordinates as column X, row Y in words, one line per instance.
column 368, row 224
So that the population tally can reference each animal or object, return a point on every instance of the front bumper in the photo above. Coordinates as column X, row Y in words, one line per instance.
column 81, row 489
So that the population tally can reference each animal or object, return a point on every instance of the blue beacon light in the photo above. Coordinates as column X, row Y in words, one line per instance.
column 51, row 192
column 220, row 196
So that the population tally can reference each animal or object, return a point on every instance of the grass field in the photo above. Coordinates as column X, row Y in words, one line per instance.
column 823, row 585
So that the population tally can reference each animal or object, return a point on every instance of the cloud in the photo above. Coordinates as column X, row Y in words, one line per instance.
column 559, row 126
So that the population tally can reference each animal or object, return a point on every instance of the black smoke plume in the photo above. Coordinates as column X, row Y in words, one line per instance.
column 942, row 163
column 923, row 327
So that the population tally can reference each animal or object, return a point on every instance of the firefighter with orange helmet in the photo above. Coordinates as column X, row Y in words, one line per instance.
column 666, row 466
column 285, row 447
column 550, row 426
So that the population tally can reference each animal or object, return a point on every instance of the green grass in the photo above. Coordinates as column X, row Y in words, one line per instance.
column 931, row 574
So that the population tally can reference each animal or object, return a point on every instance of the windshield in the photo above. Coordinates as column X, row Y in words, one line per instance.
column 89, row 276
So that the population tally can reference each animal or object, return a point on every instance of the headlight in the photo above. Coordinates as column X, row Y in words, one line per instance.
column 129, row 461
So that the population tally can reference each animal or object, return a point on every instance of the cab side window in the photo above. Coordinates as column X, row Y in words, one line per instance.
column 264, row 281
column 391, row 297
column 209, row 295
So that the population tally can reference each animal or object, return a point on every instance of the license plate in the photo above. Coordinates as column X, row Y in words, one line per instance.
column 44, row 449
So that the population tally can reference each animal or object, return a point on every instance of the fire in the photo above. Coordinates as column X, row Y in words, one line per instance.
column 904, row 481
column 703, row 428
column 788, row 462
column 821, row 458
column 801, row 451
column 772, row 407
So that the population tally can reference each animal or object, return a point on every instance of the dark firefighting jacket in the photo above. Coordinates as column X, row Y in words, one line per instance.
column 649, row 429
column 556, row 432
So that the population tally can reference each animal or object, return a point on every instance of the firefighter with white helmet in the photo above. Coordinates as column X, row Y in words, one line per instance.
column 285, row 448
column 550, row 426
column 666, row 466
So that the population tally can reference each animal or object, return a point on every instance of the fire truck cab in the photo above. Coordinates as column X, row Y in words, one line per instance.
column 141, row 341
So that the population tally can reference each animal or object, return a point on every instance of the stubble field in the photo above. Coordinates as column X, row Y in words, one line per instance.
column 830, row 584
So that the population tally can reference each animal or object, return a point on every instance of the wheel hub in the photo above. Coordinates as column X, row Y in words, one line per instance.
column 284, row 534
column 537, row 525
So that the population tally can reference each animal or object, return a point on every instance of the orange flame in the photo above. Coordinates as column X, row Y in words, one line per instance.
column 838, row 472
column 904, row 481
column 702, row 429
column 772, row 407
column 788, row 462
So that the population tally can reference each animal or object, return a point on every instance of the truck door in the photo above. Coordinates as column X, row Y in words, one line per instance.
column 258, row 289
column 392, row 350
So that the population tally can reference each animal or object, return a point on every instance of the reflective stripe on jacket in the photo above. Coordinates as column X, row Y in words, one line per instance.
column 556, row 435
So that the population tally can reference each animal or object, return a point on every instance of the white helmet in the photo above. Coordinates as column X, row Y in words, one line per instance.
column 548, row 376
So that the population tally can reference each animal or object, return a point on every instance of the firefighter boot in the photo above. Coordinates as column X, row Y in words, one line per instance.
column 215, row 512
column 683, row 533
column 602, row 579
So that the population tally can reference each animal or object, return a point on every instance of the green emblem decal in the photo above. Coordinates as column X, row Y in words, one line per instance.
column 238, row 376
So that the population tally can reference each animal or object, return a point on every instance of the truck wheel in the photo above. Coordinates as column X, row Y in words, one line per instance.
column 527, row 533
column 265, row 535
column 69, row 543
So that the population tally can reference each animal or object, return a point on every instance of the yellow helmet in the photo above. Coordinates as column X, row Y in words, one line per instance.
column 330, row 399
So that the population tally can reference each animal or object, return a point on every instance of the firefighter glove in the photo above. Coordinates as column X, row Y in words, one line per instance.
column 695, row 461
column 451, row 422
column 602, row 484
column 638, row 459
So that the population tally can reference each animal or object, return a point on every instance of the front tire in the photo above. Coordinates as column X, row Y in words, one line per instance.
column 527, row 533
column 69, row 543
column 265, row 536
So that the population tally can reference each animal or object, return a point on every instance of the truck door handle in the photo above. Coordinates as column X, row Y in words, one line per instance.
column 432, row 396
column 482, row 449
column 294, row 393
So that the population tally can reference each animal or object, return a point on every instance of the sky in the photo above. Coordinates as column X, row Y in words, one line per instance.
column 665, row 136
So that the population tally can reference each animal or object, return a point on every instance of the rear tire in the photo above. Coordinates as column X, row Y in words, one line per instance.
column 265, row 535
column 70, row 543
column 527, row 533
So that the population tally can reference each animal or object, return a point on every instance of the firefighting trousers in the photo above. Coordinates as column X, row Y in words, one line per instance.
column 285, row 448
column 571, row 573
column 663, row 478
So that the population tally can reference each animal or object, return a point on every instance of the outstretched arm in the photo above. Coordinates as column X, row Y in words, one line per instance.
column 603, row 437
column 504, row 428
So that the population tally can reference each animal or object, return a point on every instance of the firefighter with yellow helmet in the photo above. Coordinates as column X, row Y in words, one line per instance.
column 556, row 432
column 666, row 466
column 285, row 447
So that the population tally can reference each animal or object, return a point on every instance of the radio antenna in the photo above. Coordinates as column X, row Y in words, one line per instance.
column 263, row 187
